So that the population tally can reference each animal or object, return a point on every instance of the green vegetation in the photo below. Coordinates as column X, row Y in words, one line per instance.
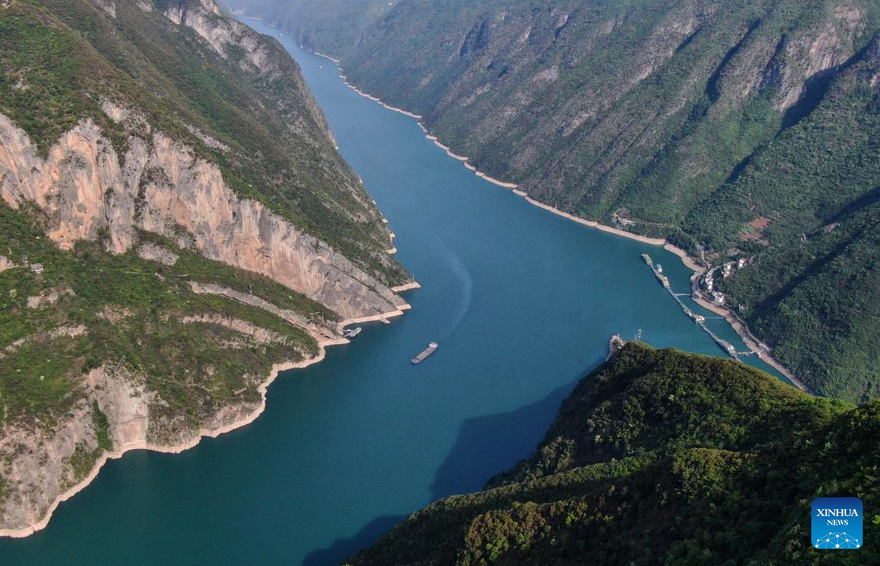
column 675, row 119
column 93, row 333
column 662, row 457
column 818, row 303
column 130, row 310
column 37, row 72
column 81, row 463
column 61, row 58
column 811, row 293
column 102, row 428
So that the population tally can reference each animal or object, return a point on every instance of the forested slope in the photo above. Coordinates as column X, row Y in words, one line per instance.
column 662, row 457
column 735, row 129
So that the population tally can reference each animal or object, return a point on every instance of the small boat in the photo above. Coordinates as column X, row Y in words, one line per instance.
column 351, row 332
column 432, row 347
column 320, row 67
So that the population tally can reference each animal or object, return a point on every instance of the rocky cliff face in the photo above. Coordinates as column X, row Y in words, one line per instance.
column 602, row 109
column 163, row 188
column 261, row 58
column 48, row 463
column 578, row 103
column 45, row 467
column 176, row 227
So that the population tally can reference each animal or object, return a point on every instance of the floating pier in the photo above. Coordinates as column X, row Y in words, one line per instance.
column 728, row 348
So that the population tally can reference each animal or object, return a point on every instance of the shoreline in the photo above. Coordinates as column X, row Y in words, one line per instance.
column 364, row 94
column 761, row 350
column 263, row 388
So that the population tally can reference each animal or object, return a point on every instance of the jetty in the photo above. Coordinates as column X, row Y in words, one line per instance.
column 699, row 319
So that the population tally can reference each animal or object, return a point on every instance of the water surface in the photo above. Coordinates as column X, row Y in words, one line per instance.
column 522, row 303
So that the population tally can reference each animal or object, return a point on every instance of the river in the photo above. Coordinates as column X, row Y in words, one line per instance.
column 522, row 302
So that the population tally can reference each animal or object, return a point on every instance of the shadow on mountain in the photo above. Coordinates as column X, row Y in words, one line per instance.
column 486, row 446
column 344, row 548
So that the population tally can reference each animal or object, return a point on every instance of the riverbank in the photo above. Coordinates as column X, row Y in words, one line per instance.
column 741, row 328
column 687, row 260
column 760, row 349
column 364, row 94
column 278, row 368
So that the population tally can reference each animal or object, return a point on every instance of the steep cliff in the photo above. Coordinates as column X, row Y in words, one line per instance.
column 176, row 227
column 661, row 457
column 83, row 188
column 738, row 130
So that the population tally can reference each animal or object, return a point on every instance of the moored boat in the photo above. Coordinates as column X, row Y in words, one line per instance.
column 351, row 332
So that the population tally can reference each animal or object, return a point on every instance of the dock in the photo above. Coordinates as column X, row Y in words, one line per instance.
column 699, row 319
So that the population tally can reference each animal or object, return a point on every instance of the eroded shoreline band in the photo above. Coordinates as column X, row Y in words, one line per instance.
column 277, row 369
column 739, row 326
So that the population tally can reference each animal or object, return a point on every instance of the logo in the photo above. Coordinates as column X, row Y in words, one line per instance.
column 837, row 523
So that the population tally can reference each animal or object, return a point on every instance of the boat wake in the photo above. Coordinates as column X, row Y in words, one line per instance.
column 461, row 273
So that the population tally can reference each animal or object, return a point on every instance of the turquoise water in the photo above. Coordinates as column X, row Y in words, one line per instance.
column 522, row 303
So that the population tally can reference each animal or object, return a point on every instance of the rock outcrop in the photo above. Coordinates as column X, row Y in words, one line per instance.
column 164, row 188
column 45, row 461
column 43, row 467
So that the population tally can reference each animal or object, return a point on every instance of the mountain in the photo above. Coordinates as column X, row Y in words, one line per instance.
column 662, row 457
column 324, row 25
column 174, row 220
column 735, row 129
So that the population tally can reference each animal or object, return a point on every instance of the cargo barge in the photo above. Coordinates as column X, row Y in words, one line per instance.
column 432, row 347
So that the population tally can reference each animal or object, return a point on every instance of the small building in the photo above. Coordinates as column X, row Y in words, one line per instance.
column 708, row 280
column 37, row 268
column 727, row 269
